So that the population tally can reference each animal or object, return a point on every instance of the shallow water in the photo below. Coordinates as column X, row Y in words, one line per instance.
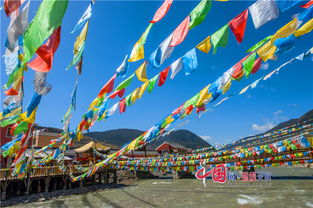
column 191, row 193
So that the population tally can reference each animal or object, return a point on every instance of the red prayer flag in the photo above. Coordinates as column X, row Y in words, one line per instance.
column 201, row 108
column 257, row 65
column 45, row 53
column 177, row 110
column 238, row 25
column 11, row 91
column 161, row 12
column 307, row 5
column 180, row 32
column 20, row 153
column 163, row 75
column 120, row 93
column 189, row 109
column 108, row 87
column 238, row 72
column 122, row 106
column 24, row 138
column 11, row 5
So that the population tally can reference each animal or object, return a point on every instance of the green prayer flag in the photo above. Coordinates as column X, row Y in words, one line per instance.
column 21, row 127
column 220, row 38
column 199, row 13
column 8, row 121
column 18, row 72
column 144, row 36
column 192, row 101
column 125, row 83
column 248, row 64
column 152, row 83
column 48, row 18
column 259, row 44
column 128, row 100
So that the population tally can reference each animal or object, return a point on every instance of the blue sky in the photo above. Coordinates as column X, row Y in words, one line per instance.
column 116, row 25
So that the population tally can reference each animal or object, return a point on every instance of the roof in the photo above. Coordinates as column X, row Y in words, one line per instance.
column 91, row 145
column 173, row 144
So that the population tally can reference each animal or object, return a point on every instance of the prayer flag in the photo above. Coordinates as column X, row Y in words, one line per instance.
column 198, row 14
column 263, row 11
column 257, row 65
column 125, row 83
column 202, row 95
column 307, row 5
column 180, row 32
column 43, row 62
column 108, row 87
column 304, row 29
column 248, row 64
column 205, row 45
column 143, row 89
column 48, row 18
column 162, row 53
column 220, row 38
column 11, row 5
column 84, row 18
column 176, row 67
column 163, row 75
column 152, row 83
column 190, row 61
column 266, row 51
column 161, row 12
column 286, row 30
column 33, row 103
column 259, row 44
column 238, row 25
column 141, row 72
column 122, row 69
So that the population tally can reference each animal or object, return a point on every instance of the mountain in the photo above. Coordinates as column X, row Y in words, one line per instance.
column 121, row 136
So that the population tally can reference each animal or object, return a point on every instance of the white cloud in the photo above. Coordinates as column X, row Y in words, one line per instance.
column 278, row 112
column 265, row 66
column 265, row 127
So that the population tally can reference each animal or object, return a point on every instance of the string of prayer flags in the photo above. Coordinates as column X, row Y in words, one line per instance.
column 284, row 5
column 108, row 87
column 152, row 83
column 122, row 69
column 45, row 53
column 48, row 18
column 198, row 14
column 263, row 11
column 176, row 67
column 304, row 29
column 163, row 76
column 162, row 53
column 238, row 25
column 18, row 27
column 86, row 16
column 138, row 49
column 161, row 12
column 180, row 32
column 141, row 72
column 205, row 45
column 307, row 5
column 190, row 61
column 125, row 83
column 220, row 38
column 248, row 64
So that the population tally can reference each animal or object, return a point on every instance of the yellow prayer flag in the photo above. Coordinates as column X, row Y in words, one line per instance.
column 137, row 53
column 141, row 72
column 134, row 95
column 306, row 28
column 286, row 30
column 93, row 103
column 79, row 135
column 31, row 118
column 205, row 45
column 207, row 98
column 203, row 95
column 266, row 51
column 81, row 39
column 169, row 119
column 143, row 89
column 226, row 87
column 131, row 146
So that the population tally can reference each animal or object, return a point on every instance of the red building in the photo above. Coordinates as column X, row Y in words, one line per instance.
column 172, row 147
